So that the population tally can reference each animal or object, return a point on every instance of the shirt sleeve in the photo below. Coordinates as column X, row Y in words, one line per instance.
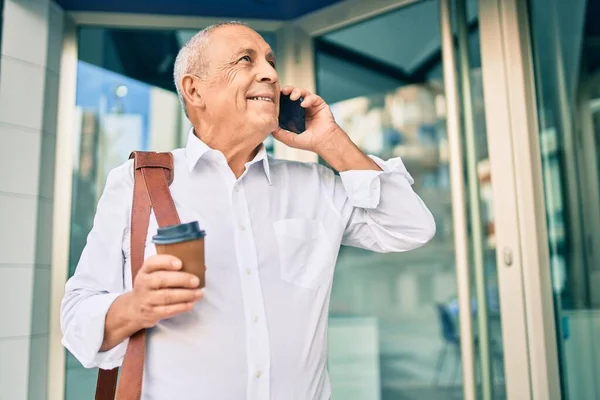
column 382, row 211
column 98, row 278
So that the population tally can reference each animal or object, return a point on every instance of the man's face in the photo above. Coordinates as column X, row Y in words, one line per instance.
column 241, row 86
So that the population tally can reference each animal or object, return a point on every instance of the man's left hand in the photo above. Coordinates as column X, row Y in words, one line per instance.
column 323, row 135
column 322, row 132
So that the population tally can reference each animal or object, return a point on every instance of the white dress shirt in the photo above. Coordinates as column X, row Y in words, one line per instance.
column 273, row 236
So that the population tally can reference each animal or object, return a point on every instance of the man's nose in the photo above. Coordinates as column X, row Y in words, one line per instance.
column 267, row 73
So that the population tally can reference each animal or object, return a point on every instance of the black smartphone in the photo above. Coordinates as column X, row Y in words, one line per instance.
column 292, row 116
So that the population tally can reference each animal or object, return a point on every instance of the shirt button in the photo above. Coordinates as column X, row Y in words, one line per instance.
column 242, row 228
column 255, row 319
column 258, row 374
column 248, row 271
column 237, row 188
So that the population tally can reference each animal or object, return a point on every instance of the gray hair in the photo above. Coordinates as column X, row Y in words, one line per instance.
column 190, row 58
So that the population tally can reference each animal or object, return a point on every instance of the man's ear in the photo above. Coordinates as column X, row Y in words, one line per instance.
column 192, row 92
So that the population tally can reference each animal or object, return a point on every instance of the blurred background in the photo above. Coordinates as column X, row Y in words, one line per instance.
column 493, row 105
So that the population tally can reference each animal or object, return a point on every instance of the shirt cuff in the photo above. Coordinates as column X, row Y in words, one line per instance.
column 85, row 337
column 364, row 187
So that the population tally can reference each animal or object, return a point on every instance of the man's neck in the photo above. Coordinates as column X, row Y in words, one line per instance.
column 237, row 159
column 237, row 154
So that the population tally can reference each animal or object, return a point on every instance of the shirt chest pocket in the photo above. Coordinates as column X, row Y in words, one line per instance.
column 305, row 252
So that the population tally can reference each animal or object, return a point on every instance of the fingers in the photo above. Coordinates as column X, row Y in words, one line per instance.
column 171, row 310
column 164, row 294
column 161, row 262
column 170, row 279
column 309, row 100
column 295, row 93
column 287, row 90
column 312, row 100
column 165, row 297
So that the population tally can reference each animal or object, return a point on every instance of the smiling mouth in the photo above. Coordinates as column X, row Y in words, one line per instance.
column 261, row 99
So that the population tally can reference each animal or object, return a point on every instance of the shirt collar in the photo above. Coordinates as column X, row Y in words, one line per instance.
column 196, row 149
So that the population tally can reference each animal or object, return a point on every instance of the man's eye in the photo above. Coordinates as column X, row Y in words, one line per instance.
column 272, row 64
column 246, row 58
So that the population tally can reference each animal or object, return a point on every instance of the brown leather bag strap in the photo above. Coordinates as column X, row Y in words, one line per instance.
column 153, row 173
column 106, row 386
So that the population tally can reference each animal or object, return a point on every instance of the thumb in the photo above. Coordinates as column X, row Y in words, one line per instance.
column 290, row 139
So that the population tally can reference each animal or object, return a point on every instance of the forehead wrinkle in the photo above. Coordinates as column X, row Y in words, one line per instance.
column 239, row 44
column 252, row 46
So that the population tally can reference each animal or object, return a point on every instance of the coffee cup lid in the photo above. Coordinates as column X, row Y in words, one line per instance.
column 178, row 233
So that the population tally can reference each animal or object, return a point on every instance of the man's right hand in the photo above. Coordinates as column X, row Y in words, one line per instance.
column 161, row 290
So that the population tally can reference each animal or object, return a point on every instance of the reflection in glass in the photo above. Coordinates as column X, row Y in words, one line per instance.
column 408, row 298
column 387, row 93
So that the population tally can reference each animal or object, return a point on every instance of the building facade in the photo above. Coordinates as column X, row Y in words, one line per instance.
column 494, row 106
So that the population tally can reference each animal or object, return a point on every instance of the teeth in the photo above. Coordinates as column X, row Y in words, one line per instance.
column 261, row 98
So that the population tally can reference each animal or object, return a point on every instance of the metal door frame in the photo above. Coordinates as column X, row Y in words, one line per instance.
column 529, row 332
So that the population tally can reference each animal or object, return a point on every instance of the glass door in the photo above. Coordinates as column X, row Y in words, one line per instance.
column 425, row 324
column 565, row 44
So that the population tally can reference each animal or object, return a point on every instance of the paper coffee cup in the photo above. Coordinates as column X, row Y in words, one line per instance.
column 186, row 242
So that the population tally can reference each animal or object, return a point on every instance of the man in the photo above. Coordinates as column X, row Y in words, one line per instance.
column 258, row 330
